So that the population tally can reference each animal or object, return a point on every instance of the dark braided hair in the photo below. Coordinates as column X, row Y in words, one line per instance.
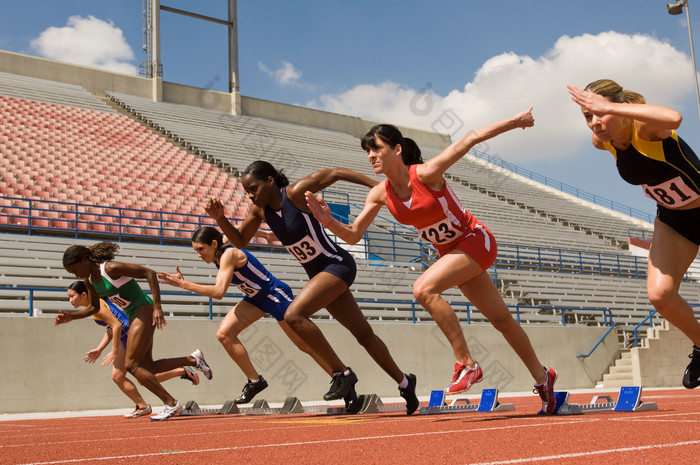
column 99, row 253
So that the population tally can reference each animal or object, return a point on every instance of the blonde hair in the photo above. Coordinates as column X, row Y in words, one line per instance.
column 614, row 92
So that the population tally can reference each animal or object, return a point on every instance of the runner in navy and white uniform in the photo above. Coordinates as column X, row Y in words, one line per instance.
column 649, row 152
column 264, row 293
column 331, row 270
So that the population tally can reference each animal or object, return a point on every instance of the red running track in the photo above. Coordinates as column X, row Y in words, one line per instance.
column 670, row 434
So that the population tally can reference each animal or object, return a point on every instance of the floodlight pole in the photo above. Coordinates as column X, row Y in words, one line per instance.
column 672, row 11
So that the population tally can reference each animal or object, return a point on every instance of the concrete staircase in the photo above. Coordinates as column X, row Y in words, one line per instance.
column 660, row 360
column 620, row 374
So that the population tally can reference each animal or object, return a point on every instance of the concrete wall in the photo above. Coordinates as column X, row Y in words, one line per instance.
column 663, row 357
column 354, row 126
column 99, row 81
column 93, row 79
column 42, row 367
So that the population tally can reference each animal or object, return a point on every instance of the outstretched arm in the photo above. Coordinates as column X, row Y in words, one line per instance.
column 94, row 307
column 657, row 120
column 432, row 171
column 319, row 180
column 239, row 236
column 350, row 233
column 223, row 278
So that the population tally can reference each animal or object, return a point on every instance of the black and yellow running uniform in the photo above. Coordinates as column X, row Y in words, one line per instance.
column 669, row 173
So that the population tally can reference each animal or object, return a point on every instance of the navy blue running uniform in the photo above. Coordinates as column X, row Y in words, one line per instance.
column 305, row 238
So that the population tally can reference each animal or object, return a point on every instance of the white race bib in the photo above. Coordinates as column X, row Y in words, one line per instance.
column 673, row 193
column 247, row 290
column 118, row 301
column 441, row 232
column 304, row 250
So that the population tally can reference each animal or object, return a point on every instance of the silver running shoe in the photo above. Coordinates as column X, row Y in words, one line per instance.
column 168, row 412
column 201, row 364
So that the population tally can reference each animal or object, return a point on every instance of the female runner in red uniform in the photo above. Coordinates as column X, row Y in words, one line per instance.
column 416, row 194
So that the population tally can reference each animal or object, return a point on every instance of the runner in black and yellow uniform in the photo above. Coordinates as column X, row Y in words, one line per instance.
column 649, row 153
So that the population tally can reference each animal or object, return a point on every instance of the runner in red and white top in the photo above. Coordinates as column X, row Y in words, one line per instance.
column 416, row 194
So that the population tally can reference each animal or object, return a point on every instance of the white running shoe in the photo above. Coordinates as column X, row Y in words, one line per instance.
column 201, row 364
column 168, row 412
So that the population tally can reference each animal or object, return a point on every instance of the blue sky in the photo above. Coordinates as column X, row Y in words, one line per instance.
column 406, row 62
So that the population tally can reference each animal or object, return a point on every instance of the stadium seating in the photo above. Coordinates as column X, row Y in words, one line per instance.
column 69, row 160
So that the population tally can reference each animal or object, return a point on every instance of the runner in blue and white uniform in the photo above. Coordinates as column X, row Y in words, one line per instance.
column 264, row 293
column 331, row 270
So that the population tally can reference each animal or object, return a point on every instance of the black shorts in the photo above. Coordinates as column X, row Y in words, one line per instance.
column 343, row 267
column 684, row 222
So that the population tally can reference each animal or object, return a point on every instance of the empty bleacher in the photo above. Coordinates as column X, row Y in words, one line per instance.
column 62, row 145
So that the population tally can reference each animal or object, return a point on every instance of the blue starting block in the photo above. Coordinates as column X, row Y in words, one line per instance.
column 487, row 403
column 628, row 400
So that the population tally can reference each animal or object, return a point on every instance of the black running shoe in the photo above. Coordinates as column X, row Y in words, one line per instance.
column 250, row 390
column 409, row 393
column 352, row 402
column 691, row 377
column 341, row 385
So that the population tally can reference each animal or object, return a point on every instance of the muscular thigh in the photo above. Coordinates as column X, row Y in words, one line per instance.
column 669, row 257
column 240, row 317
column 141, row 329
column 318, row 293
column 452, row 270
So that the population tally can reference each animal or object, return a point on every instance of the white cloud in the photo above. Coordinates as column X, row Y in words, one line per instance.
column 285, row 75
column 508, row 83
column 87, row 41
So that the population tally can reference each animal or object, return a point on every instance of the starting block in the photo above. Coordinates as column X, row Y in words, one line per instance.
column 192, row 409
column 629, row 400
column 291, row 405
column 487, row 403
column 369, row 403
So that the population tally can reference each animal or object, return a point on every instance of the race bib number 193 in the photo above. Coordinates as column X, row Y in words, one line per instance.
column 304, row 250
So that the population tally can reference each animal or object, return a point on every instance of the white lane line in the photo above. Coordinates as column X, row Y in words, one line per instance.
column 588, row 454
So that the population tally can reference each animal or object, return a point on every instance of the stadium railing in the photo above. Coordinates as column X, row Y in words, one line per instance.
column 650, row 319
column 567, row 314
column 574, row 191
column 397, row 243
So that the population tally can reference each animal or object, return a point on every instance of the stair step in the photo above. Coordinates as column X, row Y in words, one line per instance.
column 611, row 384
column 617, row 376
column 624, row 369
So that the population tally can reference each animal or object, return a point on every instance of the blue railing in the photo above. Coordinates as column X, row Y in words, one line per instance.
column 32, row 290
column 650, row 319
column 598, row 343
column 398, row 244
column 576, row 192
column 414, row 305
